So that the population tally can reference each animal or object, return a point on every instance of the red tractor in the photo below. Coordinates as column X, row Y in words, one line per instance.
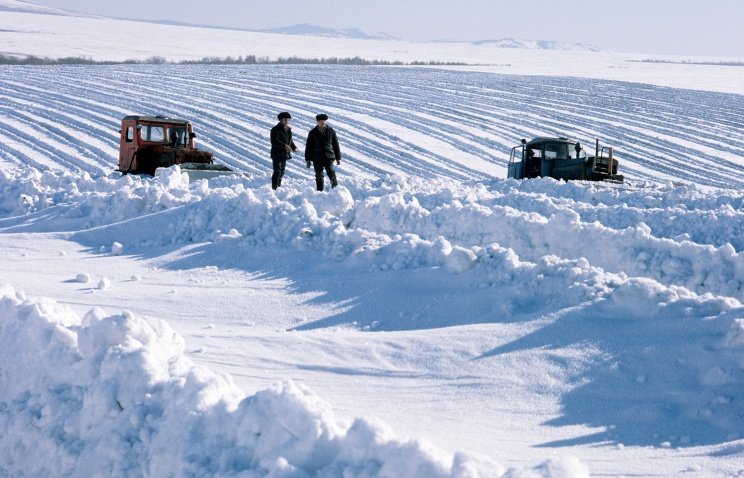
column 151, row 142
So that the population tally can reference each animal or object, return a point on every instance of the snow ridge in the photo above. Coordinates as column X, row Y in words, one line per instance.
column 395, row 224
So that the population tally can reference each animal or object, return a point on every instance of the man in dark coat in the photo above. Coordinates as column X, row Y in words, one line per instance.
column 281, row 147
column 322, row 150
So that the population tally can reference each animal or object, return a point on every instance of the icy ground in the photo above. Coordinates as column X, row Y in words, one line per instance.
column 547, row 329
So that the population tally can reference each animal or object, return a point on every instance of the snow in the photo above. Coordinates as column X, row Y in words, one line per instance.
column 117, row 393
column 399, row 121
column 57, row 36
column 425, row 318
column 625, row 342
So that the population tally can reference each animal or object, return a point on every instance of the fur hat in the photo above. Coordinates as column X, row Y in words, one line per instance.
column 283, row 115
column 321, row 116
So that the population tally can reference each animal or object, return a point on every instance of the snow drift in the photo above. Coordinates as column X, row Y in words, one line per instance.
column 660, row 303
column 116, row 392
column 394, row 223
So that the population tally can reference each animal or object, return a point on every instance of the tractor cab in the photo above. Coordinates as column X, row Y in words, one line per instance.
column 151, row 142
column 561, row 158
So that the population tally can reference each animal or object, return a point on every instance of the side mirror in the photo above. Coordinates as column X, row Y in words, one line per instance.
column 524, row 141
column 192, row 135
column 139, row 127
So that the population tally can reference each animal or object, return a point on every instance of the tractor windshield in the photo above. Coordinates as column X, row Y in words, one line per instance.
column 151, row 133
column 177, row 136
column 556, row 151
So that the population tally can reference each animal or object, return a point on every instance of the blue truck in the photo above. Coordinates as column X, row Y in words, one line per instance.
column 562, row 158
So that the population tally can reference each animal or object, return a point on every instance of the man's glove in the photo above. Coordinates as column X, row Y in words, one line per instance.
column 287, row 148
column 338, row 161
column 308, row 164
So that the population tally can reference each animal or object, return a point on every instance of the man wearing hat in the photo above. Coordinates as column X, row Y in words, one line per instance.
column 322, row 150
column 281, row 147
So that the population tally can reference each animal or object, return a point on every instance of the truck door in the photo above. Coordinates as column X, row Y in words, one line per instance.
column 515, row 163
column 127, row 145
column 562, row 164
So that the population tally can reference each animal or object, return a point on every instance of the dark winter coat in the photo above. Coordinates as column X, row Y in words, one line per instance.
column 322, row 145
column 280, row 137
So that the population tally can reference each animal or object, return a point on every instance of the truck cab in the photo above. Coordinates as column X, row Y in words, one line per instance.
column 561, row 158
column 151, row 142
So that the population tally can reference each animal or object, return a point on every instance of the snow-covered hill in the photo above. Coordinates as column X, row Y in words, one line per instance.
column 17, row 6
column 109, row 39
column 537, row 44
column 308, row 29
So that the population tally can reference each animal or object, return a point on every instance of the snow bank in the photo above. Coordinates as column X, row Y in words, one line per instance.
column 490, row 232
column 116, row 392
column 571, row 251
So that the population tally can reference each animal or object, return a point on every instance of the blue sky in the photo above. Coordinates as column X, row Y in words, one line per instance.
column 686, row 27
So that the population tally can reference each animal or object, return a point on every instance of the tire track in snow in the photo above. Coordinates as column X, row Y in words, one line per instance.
column 34, row 151
column 656, row 131
column 85, row 155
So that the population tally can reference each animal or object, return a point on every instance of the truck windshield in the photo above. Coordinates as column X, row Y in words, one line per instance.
column 177, row 136
column 556, row 151
column 152, row 133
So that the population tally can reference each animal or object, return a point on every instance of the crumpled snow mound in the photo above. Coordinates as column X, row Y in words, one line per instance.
column 662, row 232
column 640, row 267
column 116, row 393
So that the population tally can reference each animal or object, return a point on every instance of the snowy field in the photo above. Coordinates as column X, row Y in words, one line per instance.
column 65, row 35
column 401, row 121
column 427, row 318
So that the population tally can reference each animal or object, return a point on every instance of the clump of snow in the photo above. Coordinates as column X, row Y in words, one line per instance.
column 83, row 278
column 121, row 390
column 568, row 467
column 231, row 234
column 117, row 248
column 172, row 177
column 735, row 336
column 104, row 283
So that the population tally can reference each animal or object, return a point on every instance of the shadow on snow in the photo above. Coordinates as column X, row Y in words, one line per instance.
column 658, row 381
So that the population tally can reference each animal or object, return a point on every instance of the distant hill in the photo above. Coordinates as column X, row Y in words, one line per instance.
column 307, row 29
column 25, row 7
column 537, row 44
column 300, row 29
column 304, row 29
column 318, row 31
